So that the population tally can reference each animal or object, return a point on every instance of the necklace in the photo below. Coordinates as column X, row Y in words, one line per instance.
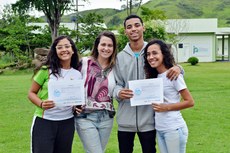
column 104, row 69
column 64, row 73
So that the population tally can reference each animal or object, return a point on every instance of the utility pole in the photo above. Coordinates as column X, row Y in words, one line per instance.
column 77, row 16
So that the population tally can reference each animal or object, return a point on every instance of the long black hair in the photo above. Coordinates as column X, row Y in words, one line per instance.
column 168, row 59
column 53, row 62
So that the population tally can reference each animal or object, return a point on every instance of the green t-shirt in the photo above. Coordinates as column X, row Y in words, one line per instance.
column 56, row 113
column 42, row 78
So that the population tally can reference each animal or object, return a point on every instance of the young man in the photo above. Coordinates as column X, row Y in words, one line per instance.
column 129, row 66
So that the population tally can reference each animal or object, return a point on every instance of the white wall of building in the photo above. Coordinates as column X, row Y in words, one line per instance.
column 201, row 46
column 197, row 37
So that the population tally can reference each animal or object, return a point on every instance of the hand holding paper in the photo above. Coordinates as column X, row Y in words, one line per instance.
column 126, row 94
column 66, row 93
column 146, row 91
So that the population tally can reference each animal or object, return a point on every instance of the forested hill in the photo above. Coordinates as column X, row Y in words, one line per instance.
column 176, row 9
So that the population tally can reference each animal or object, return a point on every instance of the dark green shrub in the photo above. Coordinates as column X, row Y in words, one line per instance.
column 193, row 60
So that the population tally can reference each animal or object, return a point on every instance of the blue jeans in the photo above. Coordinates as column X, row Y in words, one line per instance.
column 94, row 130
column 173, row 141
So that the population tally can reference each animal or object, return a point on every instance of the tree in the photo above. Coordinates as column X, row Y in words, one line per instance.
column 154, row 23
column 154, row 29
column 151, row 14
column 130, row 4
column 115, row 21
column 16, row 36
column 52, row 9
column 90, row 26
column 122, row 39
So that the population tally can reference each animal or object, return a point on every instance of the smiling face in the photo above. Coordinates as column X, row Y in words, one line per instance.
column 155, row 56
column 134, row 29
column 105, row 48
column 64, row 50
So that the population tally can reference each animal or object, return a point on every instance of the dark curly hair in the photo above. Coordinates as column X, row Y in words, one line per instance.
column 168, row 59
column 53, row 62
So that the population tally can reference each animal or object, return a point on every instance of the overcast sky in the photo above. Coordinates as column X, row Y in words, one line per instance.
column 92, row 4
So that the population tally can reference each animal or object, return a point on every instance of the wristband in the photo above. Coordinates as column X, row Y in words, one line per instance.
column 41, row 104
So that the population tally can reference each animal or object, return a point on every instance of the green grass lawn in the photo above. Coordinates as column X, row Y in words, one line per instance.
column 208, row 121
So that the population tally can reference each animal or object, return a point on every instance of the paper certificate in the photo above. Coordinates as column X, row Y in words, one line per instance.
column 146, row 91
column 66, row 93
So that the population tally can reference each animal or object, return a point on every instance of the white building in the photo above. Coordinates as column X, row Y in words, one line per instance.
column 195, row 37
column 200, row 38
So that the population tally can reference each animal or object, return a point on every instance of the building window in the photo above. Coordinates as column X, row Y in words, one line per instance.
column 180, row 45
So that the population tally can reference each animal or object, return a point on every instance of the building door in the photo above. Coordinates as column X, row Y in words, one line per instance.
column 186, row 52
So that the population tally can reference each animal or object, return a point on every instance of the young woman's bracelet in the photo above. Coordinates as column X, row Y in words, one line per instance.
column 41, row 104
